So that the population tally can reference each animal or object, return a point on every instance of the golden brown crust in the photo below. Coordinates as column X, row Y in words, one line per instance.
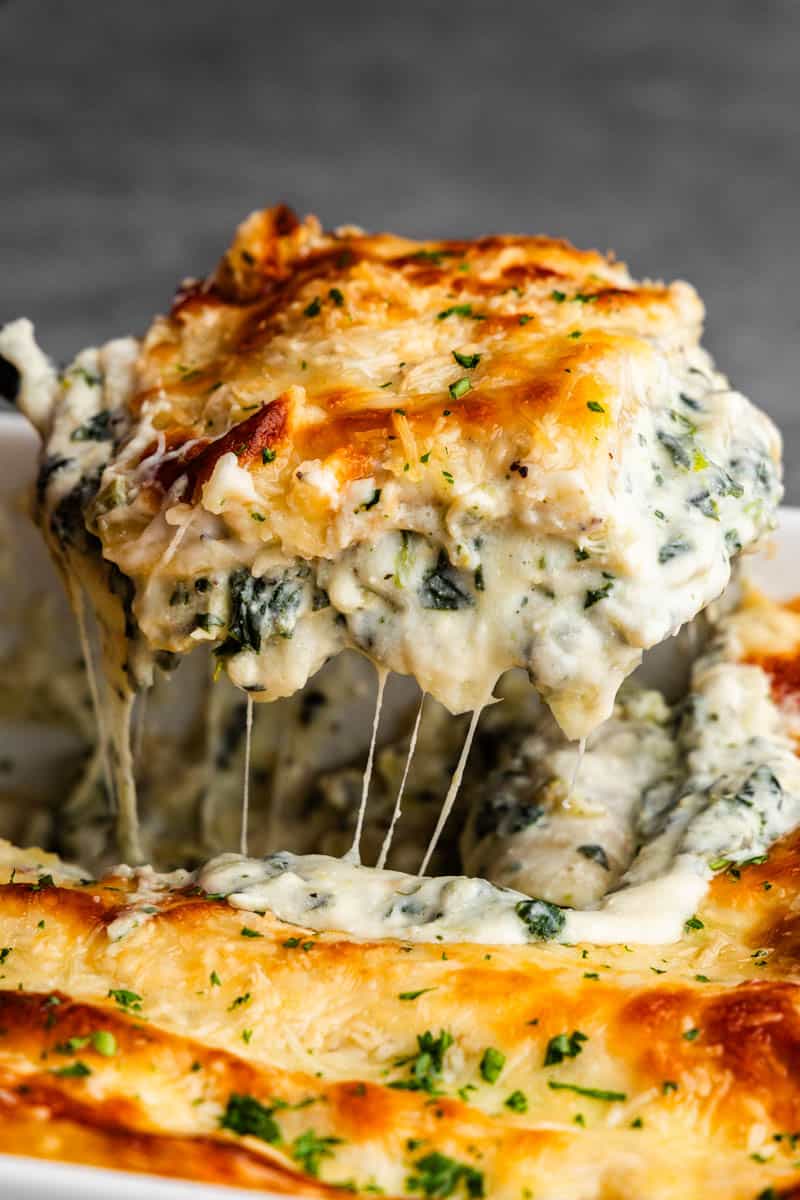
column 355, row 333
column 317, row 1024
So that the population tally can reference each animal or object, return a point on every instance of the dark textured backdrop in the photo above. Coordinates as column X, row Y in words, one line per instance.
column 136, row 134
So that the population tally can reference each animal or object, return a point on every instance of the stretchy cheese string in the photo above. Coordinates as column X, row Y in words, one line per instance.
column 396, row 814
column 353, row 855
column 122, row 768
column 576, row 770
column 452, row 791
column 248, row 746
column 140, row 715
column 78, row 605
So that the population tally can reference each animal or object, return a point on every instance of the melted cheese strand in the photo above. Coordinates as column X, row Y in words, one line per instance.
column 248, row 745
column 78, row 605
column 573, row 783
column 140, row 724
column 387, row 841
column 452, row 791
column 128, row 837
column 353, row 855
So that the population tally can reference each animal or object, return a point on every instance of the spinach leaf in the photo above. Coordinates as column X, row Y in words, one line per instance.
column 443, row 587
column 543, row 919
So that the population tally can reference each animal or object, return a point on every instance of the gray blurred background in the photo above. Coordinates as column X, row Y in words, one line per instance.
column 136, row 135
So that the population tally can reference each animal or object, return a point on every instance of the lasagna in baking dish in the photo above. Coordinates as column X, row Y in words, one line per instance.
column 502, row 469
column 151, row 1025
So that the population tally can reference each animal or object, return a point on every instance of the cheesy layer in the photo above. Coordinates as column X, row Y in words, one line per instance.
column 409, row 448
column 208, row 1043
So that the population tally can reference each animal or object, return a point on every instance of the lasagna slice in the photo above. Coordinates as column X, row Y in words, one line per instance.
column 454, row 456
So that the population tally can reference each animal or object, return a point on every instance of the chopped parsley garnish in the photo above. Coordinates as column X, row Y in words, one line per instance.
column 448, row 476
column 517, row 1102
column 593, row 405
column 459, row 388
column 76, row 1070
column 427, row 1065
column 72, row 1045
column 580, row 554
column 576, row 333
column 693, row 923
column 4, row 953
column 467, row 361
column 438, row 1175
column 245, row 931
column 590, row 975
column 313, row 309
column 293, row 942
column 691, row 1035
column 455, row 310
column 595, row 854
column 524, row 319
column 308, row 1150
column 543, row 919
column 104, row 1042
column 492, row 1064
column 559, row 297
column 42, row 883
column 214, row 979
column 591, row 1093
column 248, row 1117
column 435, row 257
column 240, row 1001
column 257, row 516
column 669, row 1085
column 246, row 1036
column 564, row 1045
column 267, row 455
column 336, row 296
column 126, row 1000
column 414, row 995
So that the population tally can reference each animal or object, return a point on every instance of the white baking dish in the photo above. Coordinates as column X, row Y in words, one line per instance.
column 777, row 571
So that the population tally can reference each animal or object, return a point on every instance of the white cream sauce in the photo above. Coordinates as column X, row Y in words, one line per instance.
column 455, row 598
column 740, row 791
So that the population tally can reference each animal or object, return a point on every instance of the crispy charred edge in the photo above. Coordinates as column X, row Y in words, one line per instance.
column 34, row 1024
column 113, row 1131
column 748, row 1042
column 62, row 1131
column 247, row 440
column 275, row 255
column 783, row 671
